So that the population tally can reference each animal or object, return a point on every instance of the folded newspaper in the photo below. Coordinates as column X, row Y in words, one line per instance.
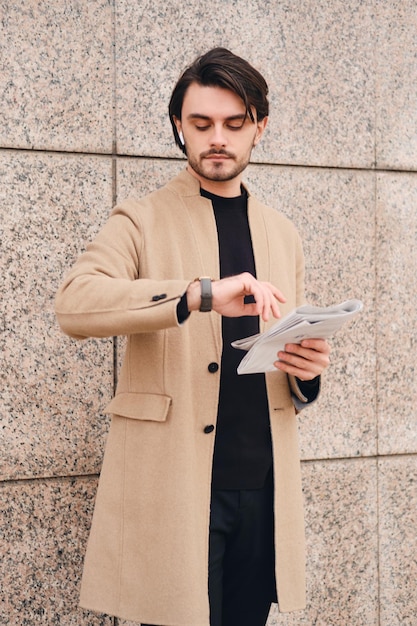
column 302, row 323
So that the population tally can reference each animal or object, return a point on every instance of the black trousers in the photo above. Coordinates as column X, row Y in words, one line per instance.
column 241, row 556
column 242, row 559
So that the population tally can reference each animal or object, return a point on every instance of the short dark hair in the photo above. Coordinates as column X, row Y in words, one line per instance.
column 221, row 68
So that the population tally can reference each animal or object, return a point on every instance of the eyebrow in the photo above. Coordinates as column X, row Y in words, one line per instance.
column 200, row 116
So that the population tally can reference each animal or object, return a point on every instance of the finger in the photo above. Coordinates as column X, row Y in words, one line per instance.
column 309, row 359
column 274, row 291
column 292, row 370
column 293, row 351
column 270, row 306
column 266, row 296
column 265, row 301
column 320, row 345
column 310, row 353
column 278, row 295
column 299, row 361
column 272, row 297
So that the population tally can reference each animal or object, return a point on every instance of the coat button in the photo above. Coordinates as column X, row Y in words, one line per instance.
column 208, row 429
column 213, row 367
column 161, row 296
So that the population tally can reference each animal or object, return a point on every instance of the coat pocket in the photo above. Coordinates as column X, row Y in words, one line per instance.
column 140, row 406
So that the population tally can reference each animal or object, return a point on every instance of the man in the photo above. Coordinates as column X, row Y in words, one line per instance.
column 198, row 518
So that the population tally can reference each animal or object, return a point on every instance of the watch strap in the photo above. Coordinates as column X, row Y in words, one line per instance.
column 206, row 294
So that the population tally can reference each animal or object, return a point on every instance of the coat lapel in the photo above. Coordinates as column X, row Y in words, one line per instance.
column 204, row 232
column 260, row 240
column 260, row 243
column 204, row 252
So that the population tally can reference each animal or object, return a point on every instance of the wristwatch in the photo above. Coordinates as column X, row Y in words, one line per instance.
column 206, row 294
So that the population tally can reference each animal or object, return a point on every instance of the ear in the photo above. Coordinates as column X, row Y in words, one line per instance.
column 260, row 127
column 177, row 123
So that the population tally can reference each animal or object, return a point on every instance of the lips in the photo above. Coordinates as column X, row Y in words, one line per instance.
column 217, row 156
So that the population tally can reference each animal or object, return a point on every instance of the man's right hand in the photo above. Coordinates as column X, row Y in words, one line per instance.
column 229, row 297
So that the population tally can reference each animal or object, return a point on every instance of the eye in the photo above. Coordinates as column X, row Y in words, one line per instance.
column 235, row 124
column 206, row 127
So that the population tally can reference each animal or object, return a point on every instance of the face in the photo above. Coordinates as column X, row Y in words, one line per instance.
column 218, row 136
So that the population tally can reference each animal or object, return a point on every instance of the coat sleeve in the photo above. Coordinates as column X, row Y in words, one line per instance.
column 304, row 393
column 104, row 294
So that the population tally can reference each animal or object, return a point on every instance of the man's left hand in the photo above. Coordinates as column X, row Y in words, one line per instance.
column 305, row 360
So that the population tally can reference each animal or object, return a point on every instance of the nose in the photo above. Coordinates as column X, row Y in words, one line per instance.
column 218, row 137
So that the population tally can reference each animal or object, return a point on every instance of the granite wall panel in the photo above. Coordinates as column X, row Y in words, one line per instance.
column 138, row 177
column 396, row 322
column 43, row 533
column 54, row 388
column 57, row 73
column 397, row 491
column 396, row 86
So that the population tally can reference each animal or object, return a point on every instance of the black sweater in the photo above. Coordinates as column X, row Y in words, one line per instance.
column 243, row 452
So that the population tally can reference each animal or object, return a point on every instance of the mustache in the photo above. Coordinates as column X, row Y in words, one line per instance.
column 215, row 151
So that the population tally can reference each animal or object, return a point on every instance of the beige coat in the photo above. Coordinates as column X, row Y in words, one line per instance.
column 147, row 556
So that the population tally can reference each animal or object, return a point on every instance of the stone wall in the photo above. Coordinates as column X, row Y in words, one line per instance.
column 84, row 90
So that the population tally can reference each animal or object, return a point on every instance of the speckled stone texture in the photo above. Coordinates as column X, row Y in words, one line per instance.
column 54, row 388
column 84, row 89
column 396, row 86
column 56, row 75
column 316, row 59
column 396, row 323
column 44, row 528
column 397, row 539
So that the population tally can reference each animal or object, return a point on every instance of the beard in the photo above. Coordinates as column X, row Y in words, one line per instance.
column 225, row 170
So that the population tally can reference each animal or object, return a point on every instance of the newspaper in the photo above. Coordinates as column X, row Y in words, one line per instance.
column 302, row 323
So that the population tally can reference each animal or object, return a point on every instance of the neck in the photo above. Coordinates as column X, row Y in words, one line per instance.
column 225, row 188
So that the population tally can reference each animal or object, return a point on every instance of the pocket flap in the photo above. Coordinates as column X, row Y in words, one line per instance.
column 140, row 406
